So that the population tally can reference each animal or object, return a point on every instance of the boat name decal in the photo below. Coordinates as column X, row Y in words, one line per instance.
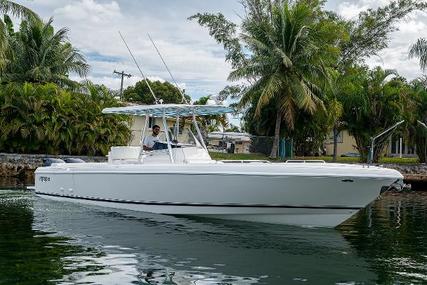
column 44, row 178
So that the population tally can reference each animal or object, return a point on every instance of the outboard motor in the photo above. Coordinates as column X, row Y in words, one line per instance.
column 49, row 160
column 73, row 160
column 397, row 186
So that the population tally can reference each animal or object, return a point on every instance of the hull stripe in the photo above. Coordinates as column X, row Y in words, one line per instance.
column 154, row 203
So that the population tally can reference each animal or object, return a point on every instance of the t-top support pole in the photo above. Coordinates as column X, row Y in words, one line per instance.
column 371, row 151
column 165, row 127
column 199, row 133
column 141, row 150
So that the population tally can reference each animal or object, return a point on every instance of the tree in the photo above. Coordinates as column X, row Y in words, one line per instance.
column 210, row 123
column 367, row 35
column 16, row 10
column 232, row 128
column 419, row 49
column 290, row 46
column 373, row 100
column 38, row 54
column 416, row 112
column 43, row 118
column 370, row 33
column 346, row 44
column 162, row 90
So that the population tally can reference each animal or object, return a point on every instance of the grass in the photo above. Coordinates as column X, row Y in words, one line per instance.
column 238, row 156
column 260, row 156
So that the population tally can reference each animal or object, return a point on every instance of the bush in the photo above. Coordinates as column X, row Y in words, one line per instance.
column 43, row 118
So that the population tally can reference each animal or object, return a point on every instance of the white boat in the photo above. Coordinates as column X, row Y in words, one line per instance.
column 182, row 179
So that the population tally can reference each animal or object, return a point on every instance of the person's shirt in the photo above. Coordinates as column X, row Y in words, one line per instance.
column 150, row 140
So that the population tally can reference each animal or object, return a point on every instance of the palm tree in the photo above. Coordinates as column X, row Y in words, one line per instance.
column 39, row 54
column 419, row 49
column 286, row 61
column 16, row 10
column 373, row 100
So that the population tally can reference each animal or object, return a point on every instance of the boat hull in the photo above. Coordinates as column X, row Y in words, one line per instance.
column 281, row 195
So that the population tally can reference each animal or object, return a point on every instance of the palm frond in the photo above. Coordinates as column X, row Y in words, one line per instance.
column 419, row 49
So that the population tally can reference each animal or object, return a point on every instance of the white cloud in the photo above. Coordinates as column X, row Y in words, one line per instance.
column 395, row 56
column 349, row 10
column 89, row 11
column 196, row 60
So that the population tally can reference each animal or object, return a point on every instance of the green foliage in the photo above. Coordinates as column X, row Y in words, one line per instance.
column 419, row 49
column 17, row 10
column 371, row 32
column 140, row 93
column 373, row 101
column 295, row 57
column 238, row 156
column 6, row 26
column 288, row 49
column 43, row 118
column 225, row 33
column 416, row 112
column 232, row 128
column 210, row 123
column 38, row 54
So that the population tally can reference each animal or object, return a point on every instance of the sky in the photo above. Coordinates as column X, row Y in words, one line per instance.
column 197, row 62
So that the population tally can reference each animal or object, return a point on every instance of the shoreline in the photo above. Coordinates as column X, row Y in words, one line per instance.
column 22, row 166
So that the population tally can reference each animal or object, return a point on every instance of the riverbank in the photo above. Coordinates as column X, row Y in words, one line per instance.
column 22, row 166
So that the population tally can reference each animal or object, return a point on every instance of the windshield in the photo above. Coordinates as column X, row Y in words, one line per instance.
column 185, row 138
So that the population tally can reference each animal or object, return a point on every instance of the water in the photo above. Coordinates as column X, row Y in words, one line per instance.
column 46, row 242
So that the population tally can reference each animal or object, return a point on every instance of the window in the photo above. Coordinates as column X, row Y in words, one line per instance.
column 150, row 122
column 330, row 139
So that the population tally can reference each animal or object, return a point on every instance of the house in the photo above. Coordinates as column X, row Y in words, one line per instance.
column 232, row 142
column 346, row 144
column 397, row 146
column 138, row 123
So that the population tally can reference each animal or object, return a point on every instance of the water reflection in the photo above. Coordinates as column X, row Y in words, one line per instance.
column 383, row 245
column 391, row 234
column 29, row 256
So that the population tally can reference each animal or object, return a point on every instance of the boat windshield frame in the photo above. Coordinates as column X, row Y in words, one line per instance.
column 165, row 111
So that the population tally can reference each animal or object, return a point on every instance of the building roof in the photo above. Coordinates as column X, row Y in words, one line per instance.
column 230, row 135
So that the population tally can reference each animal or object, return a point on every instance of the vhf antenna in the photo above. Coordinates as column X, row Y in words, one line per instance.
column 184, row 100
column 137, row 65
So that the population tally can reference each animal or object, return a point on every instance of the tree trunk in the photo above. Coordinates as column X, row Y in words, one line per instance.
column 421, row 143
column 336, row 132
column 275, row 146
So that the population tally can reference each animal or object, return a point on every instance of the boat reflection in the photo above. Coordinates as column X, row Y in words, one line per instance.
column 203, row 251
column 44, row 242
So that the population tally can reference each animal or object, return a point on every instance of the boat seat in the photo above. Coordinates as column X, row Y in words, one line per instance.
column 195, row 155
column 123, row 153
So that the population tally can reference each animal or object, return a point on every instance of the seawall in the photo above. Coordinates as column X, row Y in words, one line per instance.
column 22, row 166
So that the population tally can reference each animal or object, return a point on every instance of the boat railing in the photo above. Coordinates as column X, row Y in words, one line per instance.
column 305, row 161
column 244, row 161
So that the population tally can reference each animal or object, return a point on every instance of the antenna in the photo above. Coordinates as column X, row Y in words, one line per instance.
column 167, row 68
column 137, row 65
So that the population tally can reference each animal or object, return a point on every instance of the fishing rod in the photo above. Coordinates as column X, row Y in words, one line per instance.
column 184, row 100
column 137, row 65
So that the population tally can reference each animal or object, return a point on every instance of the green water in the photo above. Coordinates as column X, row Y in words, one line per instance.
column 46, row 242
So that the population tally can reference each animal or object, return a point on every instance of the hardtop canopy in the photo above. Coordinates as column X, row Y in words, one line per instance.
column 169, row 110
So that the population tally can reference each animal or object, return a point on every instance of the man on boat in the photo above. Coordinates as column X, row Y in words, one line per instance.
column 150, row 141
